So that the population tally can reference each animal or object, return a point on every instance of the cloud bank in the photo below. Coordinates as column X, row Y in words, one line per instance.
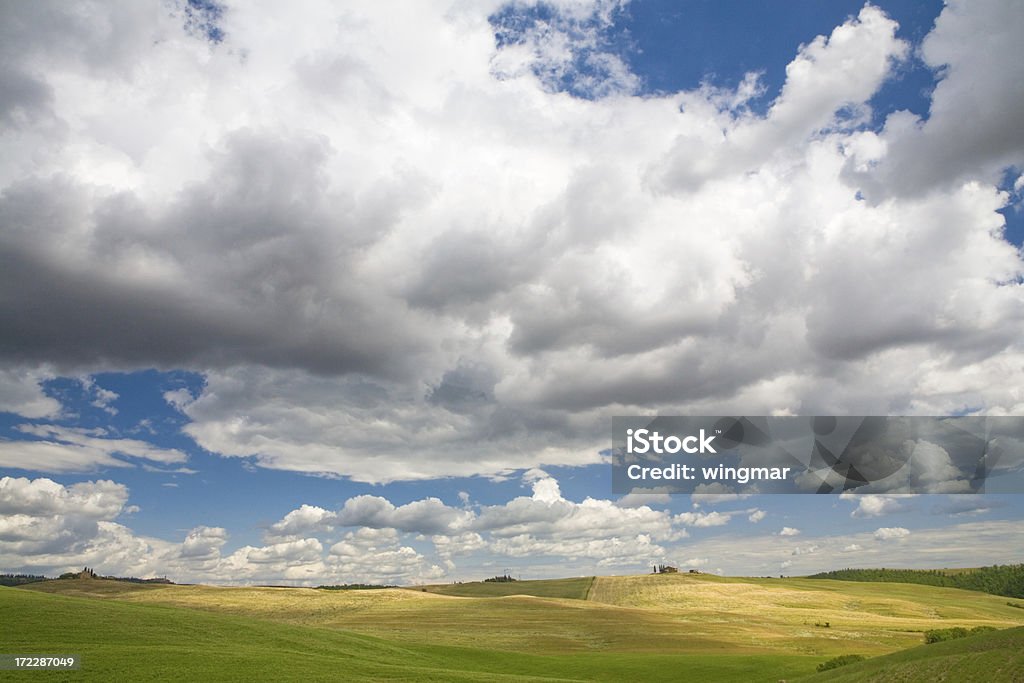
column 430, row 245
column 46, row 527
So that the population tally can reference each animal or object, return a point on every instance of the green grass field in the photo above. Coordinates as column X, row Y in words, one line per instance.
column 120, row 640
column 992, row 657
column 594, row 628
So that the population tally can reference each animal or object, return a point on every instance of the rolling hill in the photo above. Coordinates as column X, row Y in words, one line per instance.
column 123, row 640
column 591, row 628
column 991, row 657
column 571, row 589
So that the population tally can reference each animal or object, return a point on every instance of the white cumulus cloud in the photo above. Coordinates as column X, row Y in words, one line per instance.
column 890, row 533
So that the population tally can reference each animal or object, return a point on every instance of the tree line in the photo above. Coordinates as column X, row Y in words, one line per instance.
column 20, row 579
column 504, row 578
column 1006, row 580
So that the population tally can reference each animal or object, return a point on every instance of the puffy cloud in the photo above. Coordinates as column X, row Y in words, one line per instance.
column 546, row 520
column 306, row 519
column 756, row 516
column 47, row 527
column 43, row 497
column 542, row 524
column 459, row 544
column 288, row 553
column 789, row 531
column 204, row 543
column 631, row 550
column 427, row 516
column 704, row 519
column 21, row 393
column 872, row 505
column 371, row 555
column 888, row 533
column 52, row 528
column 109, row 547
column 43, row 523
column 376, row 431
column 843, row 70
column 425, row 261
column 958, row 140
column 830, row 76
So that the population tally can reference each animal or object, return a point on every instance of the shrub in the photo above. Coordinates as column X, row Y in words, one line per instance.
column 841, row 660
column 942, row 634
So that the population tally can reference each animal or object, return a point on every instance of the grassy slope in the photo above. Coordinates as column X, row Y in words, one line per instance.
column 153, row 633
column 868, row 618
column 991, row 657
column 570, row 589
column 517, row 623
column 120, row 640
column 671, row 614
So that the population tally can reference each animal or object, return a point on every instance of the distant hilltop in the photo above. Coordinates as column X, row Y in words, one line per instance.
column 86, row 574
column 1006, row 580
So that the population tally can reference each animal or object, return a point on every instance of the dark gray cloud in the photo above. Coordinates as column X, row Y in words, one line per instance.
column 255, row 264
column 23, row 99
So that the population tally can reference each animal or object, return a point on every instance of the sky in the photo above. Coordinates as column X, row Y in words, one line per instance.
column 320, row 293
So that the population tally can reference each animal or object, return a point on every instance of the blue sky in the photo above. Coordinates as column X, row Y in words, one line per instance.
column 359, row 306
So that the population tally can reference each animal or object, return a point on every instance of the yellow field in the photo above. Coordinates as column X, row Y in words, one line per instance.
column 682, row 614
column 789, row 614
